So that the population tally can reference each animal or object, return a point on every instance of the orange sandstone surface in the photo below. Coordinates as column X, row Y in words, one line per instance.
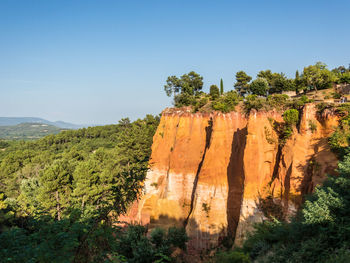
column 210, row 171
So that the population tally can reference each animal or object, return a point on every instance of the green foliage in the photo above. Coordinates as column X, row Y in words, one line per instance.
column 345, row 78
column 242, row 82
column 277, row 82
column 177, row 237
column 291, row 117
column 135, row 246
column 214, row 92
column 340, row 139
column 259, row 87
column 318, row 76
column 47, row 240
column 3, row 144
column 319, row 233
column 27, row 131
column 184, row 88
column 336, row 95
column 221, row 87
column 253, row 102
column 232, row 257
column 63, row 193
column 278, row 101
column 281, row 83
column 268, row 75
column 226, row 102
column 312, row 126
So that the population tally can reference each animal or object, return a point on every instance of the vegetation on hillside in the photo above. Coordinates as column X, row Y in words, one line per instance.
column 27, row 131
column 61, row 197
column 187, row 89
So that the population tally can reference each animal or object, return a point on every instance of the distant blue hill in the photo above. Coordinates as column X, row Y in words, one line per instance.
column 10, row 121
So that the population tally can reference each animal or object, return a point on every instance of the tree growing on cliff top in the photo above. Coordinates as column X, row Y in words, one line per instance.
column 214, row 92
column 242, row 82
column 185, row 88
column 190, row 83
column 221, row 87
column 259, row 87
column 318, row 76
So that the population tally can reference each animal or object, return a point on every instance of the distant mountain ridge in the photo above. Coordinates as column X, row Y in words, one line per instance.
column 10, row 121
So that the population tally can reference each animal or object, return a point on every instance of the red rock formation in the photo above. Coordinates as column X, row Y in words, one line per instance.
column 209, row 171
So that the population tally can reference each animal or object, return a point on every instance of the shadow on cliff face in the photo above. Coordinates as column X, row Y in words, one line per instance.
column 208, row 133
column 235, row 178
column 317, row 166
column 199, row 240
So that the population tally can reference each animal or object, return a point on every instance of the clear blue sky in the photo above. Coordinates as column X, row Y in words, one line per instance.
column 98, row 61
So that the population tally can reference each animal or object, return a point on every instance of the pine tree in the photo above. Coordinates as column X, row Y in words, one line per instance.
column 55, row 188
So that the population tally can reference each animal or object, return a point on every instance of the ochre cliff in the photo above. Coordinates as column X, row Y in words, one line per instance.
column 218, row 173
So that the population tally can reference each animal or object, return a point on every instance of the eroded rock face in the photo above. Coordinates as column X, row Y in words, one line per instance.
column 212, row 172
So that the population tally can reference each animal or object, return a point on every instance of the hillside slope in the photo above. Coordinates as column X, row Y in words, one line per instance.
column 27, row 131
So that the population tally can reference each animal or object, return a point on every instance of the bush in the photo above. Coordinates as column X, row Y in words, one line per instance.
column 134, row 245
column 291, row 117
column 184, row 99
column 253, row 102
column 312, row 126
column 226, row 102
column 177, row 237
column 158, row 236
column 200, row 102
column 278, row 101
column 231, row 257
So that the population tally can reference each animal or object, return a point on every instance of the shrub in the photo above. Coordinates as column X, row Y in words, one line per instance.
column 277, row 101
column 177, row 237
column 200, row 102
column 158, row 236
column 291, row 117
column 336, row 95
column 184, row 99
column 231, row 257
column 312, row 126
column 226, row 102
column 253, row 102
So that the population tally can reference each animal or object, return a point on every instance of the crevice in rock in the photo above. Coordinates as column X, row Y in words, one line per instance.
column 235, row 178
column 208, row 133
column 275, row 172
column 307, row 186
column 287, row 189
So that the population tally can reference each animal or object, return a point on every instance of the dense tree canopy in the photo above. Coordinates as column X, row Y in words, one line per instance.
column 62, row 193
column 259, row 87
column 318, row 76
column 184, row 88
column 242, row 82
column 214, row 92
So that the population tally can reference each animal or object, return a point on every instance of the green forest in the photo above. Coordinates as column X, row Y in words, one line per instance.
column 61, row 197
